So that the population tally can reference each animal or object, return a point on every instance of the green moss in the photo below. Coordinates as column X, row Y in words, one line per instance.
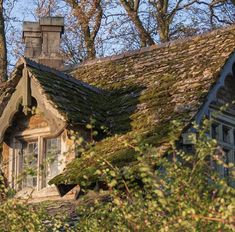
column 140, row 96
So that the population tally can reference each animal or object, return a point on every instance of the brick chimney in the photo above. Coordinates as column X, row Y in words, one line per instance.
column 42, row 40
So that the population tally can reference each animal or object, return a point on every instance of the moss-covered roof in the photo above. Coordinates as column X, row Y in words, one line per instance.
column 135, row 95
column 147, row 90
column 77, row 101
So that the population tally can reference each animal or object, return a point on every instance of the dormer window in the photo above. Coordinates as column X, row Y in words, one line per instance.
column 35, row 153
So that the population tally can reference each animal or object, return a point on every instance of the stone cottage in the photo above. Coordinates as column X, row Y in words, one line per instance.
column 45, row 107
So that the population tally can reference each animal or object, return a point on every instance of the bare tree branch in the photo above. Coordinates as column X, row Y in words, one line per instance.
column 132, row 7
column 3, row 48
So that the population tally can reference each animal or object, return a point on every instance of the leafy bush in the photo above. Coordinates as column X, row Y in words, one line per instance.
column 179, row 192
column 18, row 215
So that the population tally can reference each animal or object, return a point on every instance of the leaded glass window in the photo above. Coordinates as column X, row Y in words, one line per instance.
column 29, row 164
column 53, row 151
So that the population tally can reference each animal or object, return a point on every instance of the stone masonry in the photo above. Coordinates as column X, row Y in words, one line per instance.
column 42, row 41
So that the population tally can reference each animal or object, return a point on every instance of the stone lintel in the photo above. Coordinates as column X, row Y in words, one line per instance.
column 31, row 35
column 35, row 34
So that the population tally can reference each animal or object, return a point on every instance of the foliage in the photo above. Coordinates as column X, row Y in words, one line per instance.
column 180, row 192
column 20, row 215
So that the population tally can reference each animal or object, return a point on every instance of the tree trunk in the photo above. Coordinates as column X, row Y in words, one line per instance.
column 132, row 12
column 164, row 19
column 89, row 15
column 145, row 38
column 3, row 48
column 163, row 31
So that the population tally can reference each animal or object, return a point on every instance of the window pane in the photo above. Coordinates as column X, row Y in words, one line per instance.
column 215, row 131
column 226, row 134
column 233, row 137
column 29, row 163
column 53, row 151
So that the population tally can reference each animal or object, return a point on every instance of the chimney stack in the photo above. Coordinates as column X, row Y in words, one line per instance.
column 42, row 40
column 33, row 39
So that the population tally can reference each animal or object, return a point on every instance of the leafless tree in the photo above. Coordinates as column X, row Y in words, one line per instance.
column 89, row 15
column 132, row 8
column 221, row 13
column 95, row 28
column 45, row 8
column 3, row 47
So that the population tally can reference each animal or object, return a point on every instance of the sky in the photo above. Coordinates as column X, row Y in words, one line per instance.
column 20, row 12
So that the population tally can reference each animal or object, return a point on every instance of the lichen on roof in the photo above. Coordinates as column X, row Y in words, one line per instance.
column 76, row 102
column 136, row 96
column 147, row 90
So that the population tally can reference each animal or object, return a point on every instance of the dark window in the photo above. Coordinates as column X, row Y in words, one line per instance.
column 215, row 131
column 226, row 134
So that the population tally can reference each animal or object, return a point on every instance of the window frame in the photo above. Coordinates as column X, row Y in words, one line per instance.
column 224, row 120
column 39, row 135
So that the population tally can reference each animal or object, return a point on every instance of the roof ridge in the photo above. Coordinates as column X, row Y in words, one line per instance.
column 150, row 48
column 61, row 74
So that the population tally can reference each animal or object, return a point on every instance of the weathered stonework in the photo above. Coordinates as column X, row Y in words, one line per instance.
column 42, row 40
column 32, row 38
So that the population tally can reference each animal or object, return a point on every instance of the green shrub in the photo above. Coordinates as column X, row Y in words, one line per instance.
column 179, row 192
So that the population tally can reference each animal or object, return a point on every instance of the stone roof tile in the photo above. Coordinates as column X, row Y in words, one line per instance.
column 135, row 95
column 148, row 89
